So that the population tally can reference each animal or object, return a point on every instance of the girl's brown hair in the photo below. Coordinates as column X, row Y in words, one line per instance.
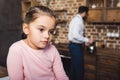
column 35, row 12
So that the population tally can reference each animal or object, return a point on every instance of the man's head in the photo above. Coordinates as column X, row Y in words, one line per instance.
column 83, row 11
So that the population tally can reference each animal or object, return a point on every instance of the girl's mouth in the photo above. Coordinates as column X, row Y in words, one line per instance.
column 44, row 42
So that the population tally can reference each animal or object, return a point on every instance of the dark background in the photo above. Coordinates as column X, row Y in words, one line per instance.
column 10, row 26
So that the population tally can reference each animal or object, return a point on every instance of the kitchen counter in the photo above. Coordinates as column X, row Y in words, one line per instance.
column 99, row 51
column 64, row 52
column 108, row 52
column 103, row 65
column 3, row 71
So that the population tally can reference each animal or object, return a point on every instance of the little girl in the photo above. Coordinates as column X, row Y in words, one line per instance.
column 34, row 58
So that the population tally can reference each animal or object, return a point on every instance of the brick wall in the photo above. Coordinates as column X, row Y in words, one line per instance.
column 100, row 33
column 96, row 31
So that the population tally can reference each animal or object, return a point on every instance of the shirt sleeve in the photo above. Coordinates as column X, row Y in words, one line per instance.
column 58, row 67
column 14, row 64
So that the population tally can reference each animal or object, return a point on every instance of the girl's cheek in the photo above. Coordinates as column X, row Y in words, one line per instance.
column 50, row 38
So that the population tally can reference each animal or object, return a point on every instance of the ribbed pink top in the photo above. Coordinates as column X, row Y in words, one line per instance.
column 25, row 63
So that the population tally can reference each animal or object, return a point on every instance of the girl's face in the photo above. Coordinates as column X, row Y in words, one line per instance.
column 39, row 32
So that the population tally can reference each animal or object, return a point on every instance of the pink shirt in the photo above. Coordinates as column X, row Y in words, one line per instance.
column 25, row 63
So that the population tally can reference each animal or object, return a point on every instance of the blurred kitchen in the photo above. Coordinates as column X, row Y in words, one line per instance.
column 102, row 24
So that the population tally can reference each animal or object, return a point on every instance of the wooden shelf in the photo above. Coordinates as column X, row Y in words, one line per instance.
column 113, row 8
column 107, row 23
column 95, row 8
column 105, row 13
column 61, row 21
column 61, row 16
column 25, row 0
column 63, row 10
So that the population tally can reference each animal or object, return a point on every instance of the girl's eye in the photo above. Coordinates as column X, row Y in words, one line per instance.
column 52, row 32
column 41, row 30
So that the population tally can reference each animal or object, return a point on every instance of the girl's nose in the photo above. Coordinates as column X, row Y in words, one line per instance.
column 47, row 35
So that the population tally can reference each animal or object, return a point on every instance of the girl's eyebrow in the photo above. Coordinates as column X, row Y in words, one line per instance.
column 41, row 26
column 45, row 27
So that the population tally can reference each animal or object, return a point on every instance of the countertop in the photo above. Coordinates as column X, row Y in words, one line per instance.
column 99, row 51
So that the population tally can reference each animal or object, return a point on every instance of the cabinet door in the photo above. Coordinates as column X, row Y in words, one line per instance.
column 95, row 15
column 113, row 15
column 104, row 11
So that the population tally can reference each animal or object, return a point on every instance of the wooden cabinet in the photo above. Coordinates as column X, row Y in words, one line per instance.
column 113, row 14
column 95, row 15
column 3, row 72
column 90, row 65
column 105, row 11
column 104, row 65
column 108, row 67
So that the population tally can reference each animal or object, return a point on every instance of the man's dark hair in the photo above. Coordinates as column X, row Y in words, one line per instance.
column 82, row 9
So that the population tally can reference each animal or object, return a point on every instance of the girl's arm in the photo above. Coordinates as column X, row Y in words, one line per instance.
column 58, row 68
column 14, row 64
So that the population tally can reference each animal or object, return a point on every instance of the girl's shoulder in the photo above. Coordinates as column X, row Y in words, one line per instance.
column 16, row 44
column 52, row 49
column 51, row 46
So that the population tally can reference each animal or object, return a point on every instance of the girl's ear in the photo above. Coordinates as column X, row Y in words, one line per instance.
column 25, row 28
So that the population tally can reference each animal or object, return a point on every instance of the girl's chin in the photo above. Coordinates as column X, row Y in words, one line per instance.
column 43, row 46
